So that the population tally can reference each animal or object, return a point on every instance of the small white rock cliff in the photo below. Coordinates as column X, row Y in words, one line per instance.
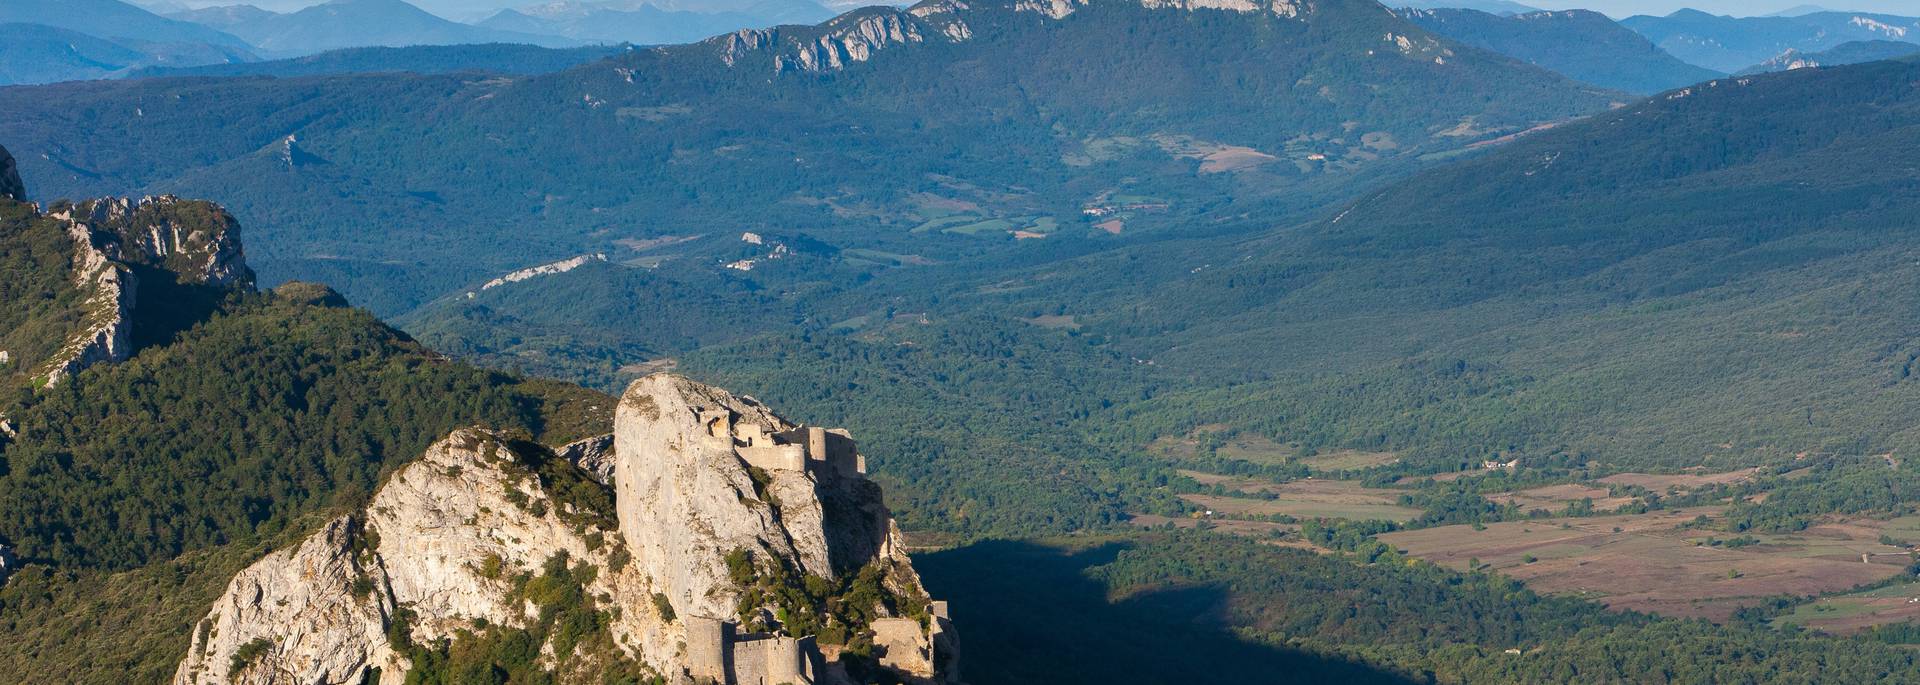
column 706, row 486
column 197, row 242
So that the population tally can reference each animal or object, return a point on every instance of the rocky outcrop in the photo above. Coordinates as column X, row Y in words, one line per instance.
column 558, row 267
column 715, row 502
column 106, row 330
column 687, row 498
column 859, row 35
column 307, row 614
column 593, row 455
column 197, row 242
column 842, row 41
column 10, row 185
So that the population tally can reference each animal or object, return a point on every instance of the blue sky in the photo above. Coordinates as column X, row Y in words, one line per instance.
column 1619, row 8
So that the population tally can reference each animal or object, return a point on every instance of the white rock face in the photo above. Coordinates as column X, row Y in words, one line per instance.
column 107, row 327
column 443, row 538
column 860, row 36
column 686, row 499
column 593, row 455
column 196, row 241
column 297, row 613
column 558, row 267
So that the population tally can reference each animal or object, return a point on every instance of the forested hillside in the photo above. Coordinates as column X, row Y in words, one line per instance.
column 1724, row 266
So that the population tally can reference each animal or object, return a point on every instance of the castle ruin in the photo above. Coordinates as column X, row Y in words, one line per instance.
column 718, row 653
column 821, row 451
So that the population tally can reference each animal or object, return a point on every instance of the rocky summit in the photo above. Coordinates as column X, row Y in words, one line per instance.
column 733, row 546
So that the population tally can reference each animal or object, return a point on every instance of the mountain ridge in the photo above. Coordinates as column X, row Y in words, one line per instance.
column 1583, row 45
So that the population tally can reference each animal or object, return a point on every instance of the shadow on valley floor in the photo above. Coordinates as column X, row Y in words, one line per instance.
column 1028, row 613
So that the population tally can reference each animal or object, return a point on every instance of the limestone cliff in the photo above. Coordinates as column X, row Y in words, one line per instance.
column 733, row 546
column 191, row 242
column 859, row 35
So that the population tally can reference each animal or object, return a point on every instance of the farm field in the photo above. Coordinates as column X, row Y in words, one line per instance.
column 1348, row 460
column 1307, row 499
column 1682, row 481
column 1852, row 613
column 1555, row 498
column 1253, row 448
column 1648, row 562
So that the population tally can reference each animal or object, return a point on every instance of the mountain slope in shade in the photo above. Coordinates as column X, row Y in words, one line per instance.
column 857, row 132
column 350, row 24
column 1842, row 54
column 1729, row 44
column 1580, row 44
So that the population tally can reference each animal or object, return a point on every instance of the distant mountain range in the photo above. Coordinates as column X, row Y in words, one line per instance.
column 43, row 41
column 37, row 53
column 64, row 40
column 646, row 23
column 492, row 58
column 1730, row 44
column 1582, row 45
column 351, row 24
column 115, row 20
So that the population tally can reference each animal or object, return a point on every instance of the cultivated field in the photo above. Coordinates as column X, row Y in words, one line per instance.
column 1555, row 498
column 1253, row 448
column 1682, row 481
column 1348, row 460
column 1852, row 613
column 1648, row 562
column 1307, row 499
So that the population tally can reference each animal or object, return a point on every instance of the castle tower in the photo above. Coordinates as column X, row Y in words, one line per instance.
column 816, row 443
column 706, row 648
column 786, row 661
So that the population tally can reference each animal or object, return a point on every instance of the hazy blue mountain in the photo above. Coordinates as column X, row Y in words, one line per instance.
column 32, row 53
column 1729, row 44
column 116, row 20
column 351, row 24
column 647, row 25
column 497, row 58
column 1580, row 44
column 35, row 53
column 773, row 11
column 1844, row 53
column 1798, row 10
column 1501, row 7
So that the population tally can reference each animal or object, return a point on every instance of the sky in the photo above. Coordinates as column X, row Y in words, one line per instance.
column 464, row 9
